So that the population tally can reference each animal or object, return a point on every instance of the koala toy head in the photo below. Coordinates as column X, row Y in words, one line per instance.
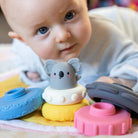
column 63, row 75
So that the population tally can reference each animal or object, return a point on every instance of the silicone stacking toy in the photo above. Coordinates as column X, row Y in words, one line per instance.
column 102, row 119
column 63, row 77
column 117, row 94
column 19, row 102
column 62, row 112
column 64, row 96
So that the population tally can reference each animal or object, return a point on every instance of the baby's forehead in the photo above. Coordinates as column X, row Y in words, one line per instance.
column 16, row 9
column 32, row 6
column 6, row 5
column 31, row 13
column 14, row 4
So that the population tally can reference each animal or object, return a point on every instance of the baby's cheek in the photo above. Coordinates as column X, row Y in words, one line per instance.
column 46, row 53
column 84, row 32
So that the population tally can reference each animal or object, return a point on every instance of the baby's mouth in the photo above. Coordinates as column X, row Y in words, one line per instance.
column 68, row 48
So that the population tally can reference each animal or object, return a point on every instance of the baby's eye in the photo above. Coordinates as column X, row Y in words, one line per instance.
column 70, row 15
column 42, row 30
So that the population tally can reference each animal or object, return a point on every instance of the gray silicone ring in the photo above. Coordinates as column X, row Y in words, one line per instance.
column 116, row 94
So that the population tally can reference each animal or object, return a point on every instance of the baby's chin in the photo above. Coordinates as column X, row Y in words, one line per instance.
column 56, row 60
column 65, row 59
column 70, row 56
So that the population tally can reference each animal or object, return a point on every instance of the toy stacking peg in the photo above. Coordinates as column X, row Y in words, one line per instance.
column 64, row 96
column 63, row 77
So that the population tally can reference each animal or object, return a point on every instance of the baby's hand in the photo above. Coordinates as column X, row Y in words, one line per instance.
column 128, row 83
column 34, row 76
column 109, row 80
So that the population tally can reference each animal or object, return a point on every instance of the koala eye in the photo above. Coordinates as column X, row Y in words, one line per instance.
column 54, row 76
column 68, row 74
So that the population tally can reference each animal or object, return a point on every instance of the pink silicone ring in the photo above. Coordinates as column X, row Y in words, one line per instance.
column 102, row 119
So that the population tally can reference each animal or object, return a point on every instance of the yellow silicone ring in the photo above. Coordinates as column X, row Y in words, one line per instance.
column 62, row 112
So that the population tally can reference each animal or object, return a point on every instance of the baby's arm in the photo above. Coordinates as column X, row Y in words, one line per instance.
column 29, row 64
column 119, row 56
column 127, row 82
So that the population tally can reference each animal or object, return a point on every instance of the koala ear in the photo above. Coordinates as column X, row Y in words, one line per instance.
column 75, row 63
column 48, row 66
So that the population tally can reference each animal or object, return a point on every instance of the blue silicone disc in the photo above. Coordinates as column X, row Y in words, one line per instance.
column 19, row 102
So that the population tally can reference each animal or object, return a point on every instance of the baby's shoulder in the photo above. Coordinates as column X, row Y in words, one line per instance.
column 99, row 19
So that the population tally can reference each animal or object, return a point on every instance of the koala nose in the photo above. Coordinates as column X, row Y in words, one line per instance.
column 61, row 74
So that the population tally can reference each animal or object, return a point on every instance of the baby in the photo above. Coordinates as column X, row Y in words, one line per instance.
column 63, row 29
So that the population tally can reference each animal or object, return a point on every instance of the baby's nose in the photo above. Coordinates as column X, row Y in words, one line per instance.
column 62, row 35
column 61, row 74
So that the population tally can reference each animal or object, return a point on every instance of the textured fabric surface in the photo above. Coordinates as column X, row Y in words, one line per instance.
column 10, row 83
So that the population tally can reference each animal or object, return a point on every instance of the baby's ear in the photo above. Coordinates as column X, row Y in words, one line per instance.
column 75, row 63
column 49, row 65
column 14, row 35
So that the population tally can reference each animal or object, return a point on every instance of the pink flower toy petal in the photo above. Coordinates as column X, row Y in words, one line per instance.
column 102, row 119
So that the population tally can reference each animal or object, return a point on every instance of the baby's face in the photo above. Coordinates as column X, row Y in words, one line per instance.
column 54, row 29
